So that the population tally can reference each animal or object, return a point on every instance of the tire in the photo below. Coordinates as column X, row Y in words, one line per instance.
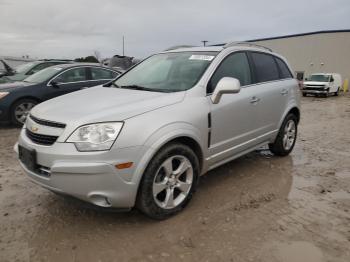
column 159, row 176
column 286, row 137
column 304, row 94
column 337, row 93
column 21, row 106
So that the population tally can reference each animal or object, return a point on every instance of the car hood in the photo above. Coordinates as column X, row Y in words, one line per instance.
column 12, row 86
column 314, row 83
column 100, row 104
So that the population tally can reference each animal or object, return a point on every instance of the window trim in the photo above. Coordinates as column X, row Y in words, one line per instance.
column 87, row 67
column 228, row 55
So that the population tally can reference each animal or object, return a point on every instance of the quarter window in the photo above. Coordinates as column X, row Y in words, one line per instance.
column 235, row 65
column 284, row 70
column 72, row 75
column 99, row 73
column 265, row 67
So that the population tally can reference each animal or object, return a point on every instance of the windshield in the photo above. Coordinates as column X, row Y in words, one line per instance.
column 319, row 78
column 169, row 72
column 24, row 68
column 43, row 75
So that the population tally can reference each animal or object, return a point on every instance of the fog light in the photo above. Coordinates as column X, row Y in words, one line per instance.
column 100, row 200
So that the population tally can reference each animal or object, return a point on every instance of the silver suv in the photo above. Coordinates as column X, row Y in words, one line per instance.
column 145, row 138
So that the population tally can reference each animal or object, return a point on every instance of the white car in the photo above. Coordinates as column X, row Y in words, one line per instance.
column 322, row 84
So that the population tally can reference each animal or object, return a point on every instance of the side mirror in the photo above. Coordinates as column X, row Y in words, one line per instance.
column 305, row 78
column 54, row 84
column 227, row 85
column 332, row 79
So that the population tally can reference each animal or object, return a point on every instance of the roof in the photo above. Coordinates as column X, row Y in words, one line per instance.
column 71, row 65
column 296, row 35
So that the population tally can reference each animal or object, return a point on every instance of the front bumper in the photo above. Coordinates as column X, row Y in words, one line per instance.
column 322, row 91
column 89, row 176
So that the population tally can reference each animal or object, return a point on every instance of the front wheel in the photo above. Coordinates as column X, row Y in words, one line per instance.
column 337, row 93
column 20, row 110
column 168, row 182
column 286, row 137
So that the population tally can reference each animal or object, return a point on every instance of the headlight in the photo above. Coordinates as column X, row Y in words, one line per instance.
column 3, row 94
column 95, row 137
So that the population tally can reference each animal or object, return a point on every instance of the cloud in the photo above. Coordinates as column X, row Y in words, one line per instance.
column 74, row 28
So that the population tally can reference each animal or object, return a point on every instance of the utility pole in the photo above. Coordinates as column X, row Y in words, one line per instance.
column 123, row 46
column 204, row 42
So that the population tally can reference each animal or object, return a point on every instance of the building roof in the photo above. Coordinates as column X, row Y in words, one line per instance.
column 296, row 35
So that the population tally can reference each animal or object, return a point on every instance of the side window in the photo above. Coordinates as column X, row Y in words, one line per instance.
column 38, row 68
column 99, row 73
column 72, row 75
column 265, row 67
column 235, row 65
column 284, row 70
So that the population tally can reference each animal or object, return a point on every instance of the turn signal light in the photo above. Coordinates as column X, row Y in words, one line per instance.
column 124, row 165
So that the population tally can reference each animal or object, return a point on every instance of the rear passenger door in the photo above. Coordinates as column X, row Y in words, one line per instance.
column 271, row 91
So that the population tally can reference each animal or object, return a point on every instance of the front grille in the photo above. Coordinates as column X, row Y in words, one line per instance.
column 45, row 140
column 46, row 122
column 317, row 88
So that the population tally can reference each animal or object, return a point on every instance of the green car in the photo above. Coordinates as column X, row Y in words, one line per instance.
column 23, row 71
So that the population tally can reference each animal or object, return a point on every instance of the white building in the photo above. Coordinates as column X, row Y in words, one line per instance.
column 314, row 52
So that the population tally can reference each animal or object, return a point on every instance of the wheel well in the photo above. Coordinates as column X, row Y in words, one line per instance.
column 295, row 111
column 26, row 97
column 193, row 144
column 22, row 98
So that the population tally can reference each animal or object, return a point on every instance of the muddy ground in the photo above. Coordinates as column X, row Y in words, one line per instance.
column 256, row 208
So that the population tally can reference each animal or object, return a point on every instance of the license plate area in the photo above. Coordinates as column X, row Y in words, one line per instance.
column 28, row 157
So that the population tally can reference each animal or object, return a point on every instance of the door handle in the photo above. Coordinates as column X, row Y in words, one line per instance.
column 254, row 100
column 284, row 92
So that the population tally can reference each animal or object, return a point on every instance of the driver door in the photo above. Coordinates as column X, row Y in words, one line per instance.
column 69, row 81
column 234, row 118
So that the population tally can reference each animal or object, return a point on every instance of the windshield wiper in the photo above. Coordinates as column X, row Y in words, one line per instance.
column 137, row 87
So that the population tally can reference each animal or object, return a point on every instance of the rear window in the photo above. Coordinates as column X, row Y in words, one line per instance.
column 284, row 70
column 265, row 67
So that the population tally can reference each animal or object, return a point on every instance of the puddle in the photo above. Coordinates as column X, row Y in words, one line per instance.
column 298, row 251
column 343, row 174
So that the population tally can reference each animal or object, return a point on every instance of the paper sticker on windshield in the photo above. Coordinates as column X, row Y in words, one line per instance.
column 202, row 57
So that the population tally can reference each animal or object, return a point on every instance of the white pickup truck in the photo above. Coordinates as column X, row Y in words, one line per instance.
column 322, row 84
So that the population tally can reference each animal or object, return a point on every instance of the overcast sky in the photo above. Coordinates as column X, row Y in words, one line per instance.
column 75, row 28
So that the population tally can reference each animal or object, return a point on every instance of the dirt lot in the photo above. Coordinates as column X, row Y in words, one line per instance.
column 257, row 208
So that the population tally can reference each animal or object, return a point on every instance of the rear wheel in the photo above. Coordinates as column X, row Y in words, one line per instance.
column 168, row 182
column 20, row 111
column 286, row 137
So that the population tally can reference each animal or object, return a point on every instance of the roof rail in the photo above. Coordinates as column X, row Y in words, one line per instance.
column 178, row 47
column 247, row 44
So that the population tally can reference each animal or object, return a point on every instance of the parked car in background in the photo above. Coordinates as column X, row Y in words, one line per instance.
column 23, row 71
column 18, row 98
column 322, row 84
column 145, row 138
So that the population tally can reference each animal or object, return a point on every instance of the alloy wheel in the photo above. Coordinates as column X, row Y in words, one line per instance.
column 173, row 182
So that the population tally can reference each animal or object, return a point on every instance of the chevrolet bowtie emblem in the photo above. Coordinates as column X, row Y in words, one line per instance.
column 34, row 128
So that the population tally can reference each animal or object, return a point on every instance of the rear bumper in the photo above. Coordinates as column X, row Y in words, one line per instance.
column 88, row 176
